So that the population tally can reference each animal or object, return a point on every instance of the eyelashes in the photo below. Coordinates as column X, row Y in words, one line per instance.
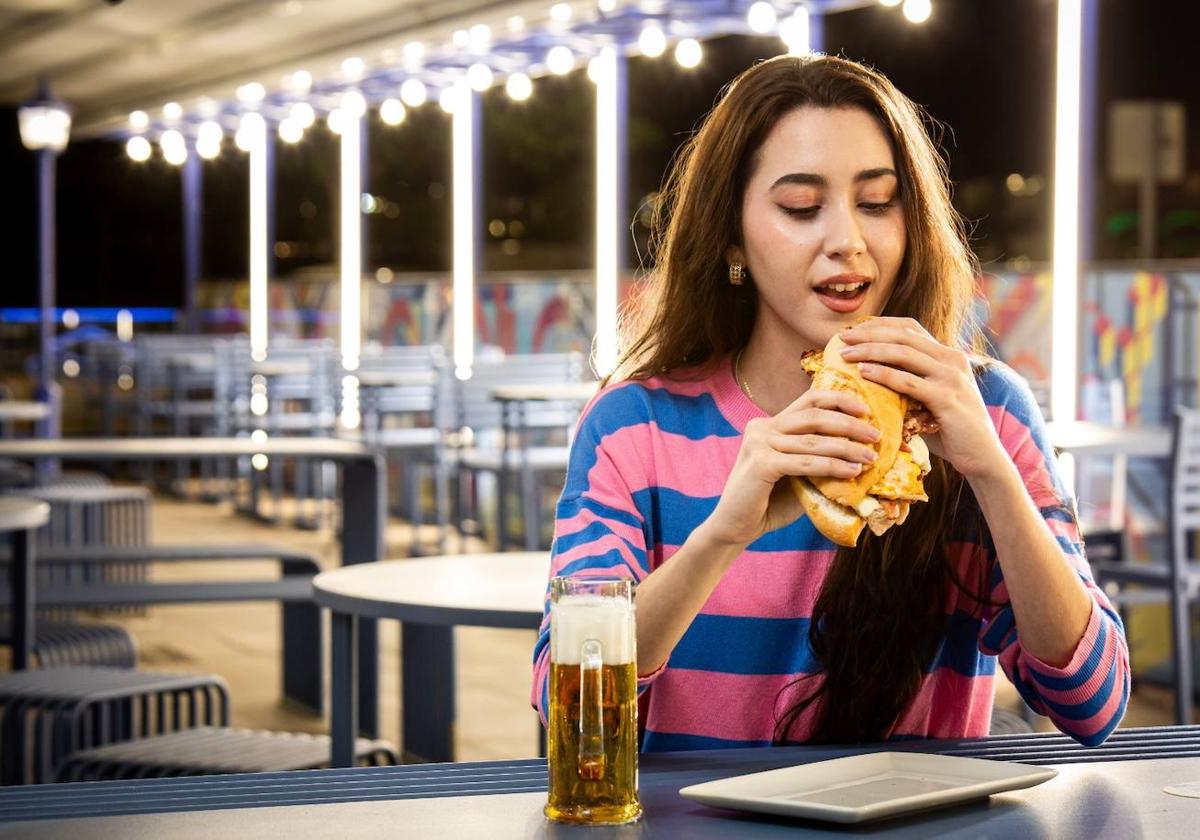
column 869, row 207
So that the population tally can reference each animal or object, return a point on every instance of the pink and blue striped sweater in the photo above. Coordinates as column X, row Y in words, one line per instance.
column 648, row 465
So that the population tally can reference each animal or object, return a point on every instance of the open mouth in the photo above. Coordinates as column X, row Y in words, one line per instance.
column 844, row 291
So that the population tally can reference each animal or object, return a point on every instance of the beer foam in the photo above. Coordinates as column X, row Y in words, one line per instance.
column 576, row 618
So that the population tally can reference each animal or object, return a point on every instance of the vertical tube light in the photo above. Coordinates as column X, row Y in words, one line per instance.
column 1064, row 353
column 256, row 137
column 351, row 232
column 465, row 131
column 608, row 131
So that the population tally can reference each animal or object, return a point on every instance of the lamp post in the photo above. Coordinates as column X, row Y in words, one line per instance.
column 45, row 128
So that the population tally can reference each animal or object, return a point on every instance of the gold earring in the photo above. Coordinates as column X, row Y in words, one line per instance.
column 737, row 273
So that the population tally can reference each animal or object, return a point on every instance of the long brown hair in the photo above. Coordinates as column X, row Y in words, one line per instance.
column 880, row 613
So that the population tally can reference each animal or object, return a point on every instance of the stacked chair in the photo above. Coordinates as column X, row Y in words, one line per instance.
column 540, row 446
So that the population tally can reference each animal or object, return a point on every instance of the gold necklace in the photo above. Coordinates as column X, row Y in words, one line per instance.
column 737, row 375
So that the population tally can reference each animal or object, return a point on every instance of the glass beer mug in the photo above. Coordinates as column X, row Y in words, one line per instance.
column 592, row 740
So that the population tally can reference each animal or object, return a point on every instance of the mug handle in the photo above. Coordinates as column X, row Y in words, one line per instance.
column 591, row 711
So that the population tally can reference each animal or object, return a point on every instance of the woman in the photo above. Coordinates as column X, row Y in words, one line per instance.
column 812, row 197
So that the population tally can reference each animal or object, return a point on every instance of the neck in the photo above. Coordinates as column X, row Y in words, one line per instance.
column 771, row 372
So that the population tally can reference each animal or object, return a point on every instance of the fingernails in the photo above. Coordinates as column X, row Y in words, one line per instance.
column 854, row 469
column 875, row 433
column 867, row 367
column 869, row 456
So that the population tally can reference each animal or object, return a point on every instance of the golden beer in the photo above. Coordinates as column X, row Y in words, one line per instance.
column 592, row 742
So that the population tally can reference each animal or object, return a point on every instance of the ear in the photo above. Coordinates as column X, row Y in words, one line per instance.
column 734, row 254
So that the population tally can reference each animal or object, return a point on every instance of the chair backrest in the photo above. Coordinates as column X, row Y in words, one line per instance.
column 473, row 398
column 1183, row 511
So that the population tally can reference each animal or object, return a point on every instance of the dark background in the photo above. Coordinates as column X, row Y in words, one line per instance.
column 983, row 68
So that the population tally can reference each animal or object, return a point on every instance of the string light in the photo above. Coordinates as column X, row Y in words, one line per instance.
column 138, row 148
column 688, row 53
column 761, row 17
column 917, row 11
column 391, row 111
column 413, row 93
column 652, row 42
column 518, row 87
column 560, row 61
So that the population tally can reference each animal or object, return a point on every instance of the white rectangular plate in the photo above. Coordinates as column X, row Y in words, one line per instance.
column 867, row 787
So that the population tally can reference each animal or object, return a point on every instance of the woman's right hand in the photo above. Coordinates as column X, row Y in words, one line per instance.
column 820, row 434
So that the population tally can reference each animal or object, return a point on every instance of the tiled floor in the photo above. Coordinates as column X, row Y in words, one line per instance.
column 241, row 643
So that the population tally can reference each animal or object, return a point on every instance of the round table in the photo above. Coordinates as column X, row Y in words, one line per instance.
column 21, row 516
column 431, row 596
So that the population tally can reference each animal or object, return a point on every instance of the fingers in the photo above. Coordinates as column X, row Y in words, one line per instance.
column 783, row 464
column 826, row 421
column 896, row 355
column 830, row 447
column 903, row 382
column 903, row 331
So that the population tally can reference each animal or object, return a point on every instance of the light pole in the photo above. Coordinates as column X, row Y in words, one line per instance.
column 45, row 128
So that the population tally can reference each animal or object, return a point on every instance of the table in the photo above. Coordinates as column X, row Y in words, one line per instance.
column 1112, row 792
column 21, row 517
column 364, row 503
column 1084, row 438
column 514, row 398
column 430, row 596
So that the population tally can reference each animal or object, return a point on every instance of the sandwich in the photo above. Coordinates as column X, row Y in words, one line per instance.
column 879, row 497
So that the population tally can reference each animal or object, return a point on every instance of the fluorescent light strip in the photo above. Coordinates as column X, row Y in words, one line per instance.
column 257, row 136
column 607, row 190
column 464, row 174
column 1064, row 362
column 351, row 238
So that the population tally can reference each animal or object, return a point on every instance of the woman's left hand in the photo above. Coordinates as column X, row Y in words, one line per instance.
column 901, row 354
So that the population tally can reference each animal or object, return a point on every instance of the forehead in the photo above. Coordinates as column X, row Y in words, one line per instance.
column 824, row 141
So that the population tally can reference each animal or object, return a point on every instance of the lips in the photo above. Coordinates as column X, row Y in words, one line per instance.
column 843, row 293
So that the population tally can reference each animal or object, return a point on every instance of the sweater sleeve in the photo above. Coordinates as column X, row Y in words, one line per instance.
column 599, row 530
column 1085, row 698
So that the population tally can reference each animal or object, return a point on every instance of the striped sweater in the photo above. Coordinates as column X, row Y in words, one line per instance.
column 647, row 466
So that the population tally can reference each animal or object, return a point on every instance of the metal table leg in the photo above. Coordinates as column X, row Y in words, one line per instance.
column 21, row 582
column 427, row 691
column 344, row 688
column 364, row 513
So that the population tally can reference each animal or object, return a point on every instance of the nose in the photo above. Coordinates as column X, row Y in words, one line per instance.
column 843, row 234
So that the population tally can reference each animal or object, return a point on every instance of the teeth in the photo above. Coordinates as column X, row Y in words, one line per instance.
column 846, row 287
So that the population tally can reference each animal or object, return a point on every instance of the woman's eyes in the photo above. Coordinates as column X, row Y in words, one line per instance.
column 875, row 208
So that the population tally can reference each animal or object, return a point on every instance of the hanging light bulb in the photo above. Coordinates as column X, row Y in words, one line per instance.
column 172, row 111
column 301, row 81
column 917, row 11
column 652, row 42
column 413, row 93
column 138, row 148
column 335, row 120
column 208, row 139
column 251, row 93
column 560, row 61
column 353, row 104
column 518, row 87
column 391, row 111
column 794, row 31
column 290, row 131
column 448, row 99
column 251, row 127
column 688, row 53
column 302, row 114
column 761, row 17
column 173, row 146
column 479, row 77
column 139, row 121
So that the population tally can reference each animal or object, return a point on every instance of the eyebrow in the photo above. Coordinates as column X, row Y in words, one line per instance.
column 811, row 180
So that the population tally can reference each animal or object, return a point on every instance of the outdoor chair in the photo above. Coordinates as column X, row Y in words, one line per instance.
column 481, row 448
column 47, row 714
column 1177, row 580
column 207, row 750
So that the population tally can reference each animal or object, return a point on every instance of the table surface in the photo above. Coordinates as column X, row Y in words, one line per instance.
column 488, row 590
column 282, row 367
column 581, row 391
column 179, row 447
column 23, row 410
column 1113, row 791
column 20, row 513
column 395, row 378
column 1083, row 438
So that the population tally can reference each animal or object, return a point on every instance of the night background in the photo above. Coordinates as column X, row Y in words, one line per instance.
column 983, row 68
